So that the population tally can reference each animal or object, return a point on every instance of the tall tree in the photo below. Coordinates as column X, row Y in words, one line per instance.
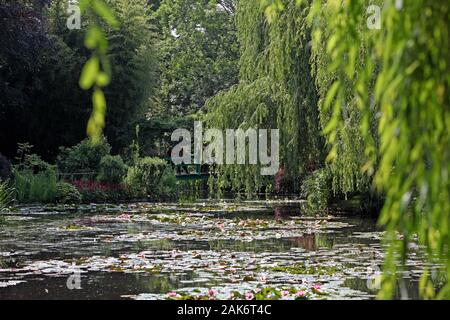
column 40, row 64
column 198, row 52
column 275, row 90
column 132, row 55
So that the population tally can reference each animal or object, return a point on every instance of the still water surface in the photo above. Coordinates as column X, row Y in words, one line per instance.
column 206, row 249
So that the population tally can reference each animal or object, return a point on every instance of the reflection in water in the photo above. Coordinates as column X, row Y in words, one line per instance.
column 307, row 242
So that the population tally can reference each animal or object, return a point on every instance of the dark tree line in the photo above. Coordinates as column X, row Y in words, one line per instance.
column 154, row 73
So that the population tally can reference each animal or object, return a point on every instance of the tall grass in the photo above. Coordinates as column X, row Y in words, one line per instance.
column 6, row 196
column 39, row 187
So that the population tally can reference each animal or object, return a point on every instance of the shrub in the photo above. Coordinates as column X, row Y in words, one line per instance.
column 168, row 185
column 316, row 189
column 112, row 169
column 31, row 163
column 144, row 176
column 84, row 157
column 67, row 194
column 5, row 167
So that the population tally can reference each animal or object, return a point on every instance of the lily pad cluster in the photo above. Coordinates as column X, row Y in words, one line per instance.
column 196, row 251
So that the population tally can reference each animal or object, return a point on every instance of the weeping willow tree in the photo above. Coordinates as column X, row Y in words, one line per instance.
column 276, row 91
column 346, row 146
column 393, row 83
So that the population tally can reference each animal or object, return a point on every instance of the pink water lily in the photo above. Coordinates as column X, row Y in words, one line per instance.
column 284, row 293
column 172, row 294
column 249, row 296
column 211, row 292
column 141, row 255
column 317, row 287
column 300, row 294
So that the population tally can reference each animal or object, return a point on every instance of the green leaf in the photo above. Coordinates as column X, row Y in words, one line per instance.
column 89, row 73
column 103, row 79
column 105, row 12
column 99, row 101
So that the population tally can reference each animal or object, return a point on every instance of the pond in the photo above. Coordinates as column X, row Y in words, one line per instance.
column 204, row 250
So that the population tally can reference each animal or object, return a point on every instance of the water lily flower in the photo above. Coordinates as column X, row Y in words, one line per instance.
column 317, row 287
column 124, row 217
column 263, row 278
column 284, row 293
column 172, row 294
column 141, row 255
column 300, row 294
column 249, row 296
column 211, row 292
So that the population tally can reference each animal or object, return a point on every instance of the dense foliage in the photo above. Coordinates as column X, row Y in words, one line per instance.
column 84, row 157
column 40, row 52
column 275, row 90
column 67, row 193
column 112, row 169
column 362, row 112
column 389, row 90
column 6, row 195
column 145, row 174
column 198, row 52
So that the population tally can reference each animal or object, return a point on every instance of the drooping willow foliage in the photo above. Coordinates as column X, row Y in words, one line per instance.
column 341, row 126
column 96, row 72
column 276, row 91
column 393, row 85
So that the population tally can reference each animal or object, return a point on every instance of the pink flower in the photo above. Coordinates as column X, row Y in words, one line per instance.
column 172, row 294
column 300, row 294
column 316, row 287
column 263, row 278
column 141, row 255
column 211, row 293
column 249, row 296
column 284, row 293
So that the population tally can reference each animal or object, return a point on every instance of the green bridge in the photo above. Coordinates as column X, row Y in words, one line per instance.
column 190, row 171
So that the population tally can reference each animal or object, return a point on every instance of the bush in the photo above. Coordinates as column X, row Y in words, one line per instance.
column 144, row 176
column 84, row 157
column 35, row 187
column 168, row 185
column 5, row 167
column 67, row 194
column 316, row 189
column 112, row 169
